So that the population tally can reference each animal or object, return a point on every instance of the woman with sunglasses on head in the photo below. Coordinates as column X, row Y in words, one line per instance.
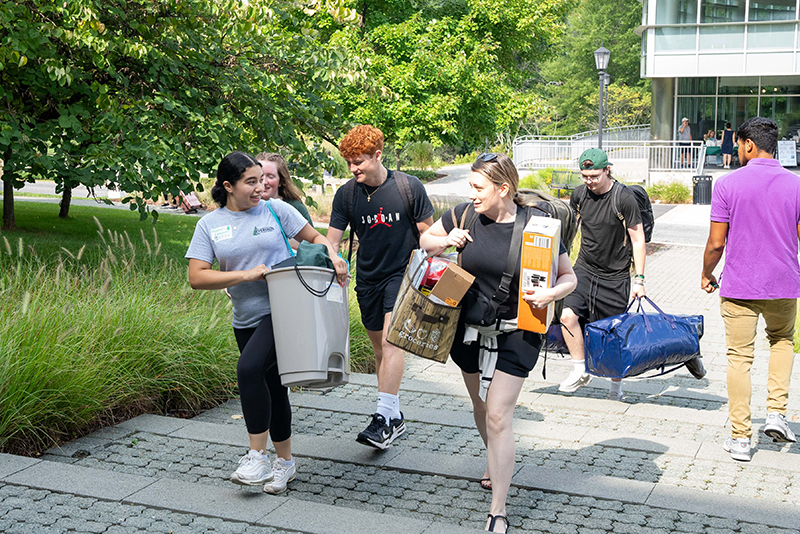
column 244, row 236
column 484, row 251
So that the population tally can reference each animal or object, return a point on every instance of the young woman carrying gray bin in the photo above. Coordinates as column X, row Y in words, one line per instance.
column 484, row 253
column 244, row 236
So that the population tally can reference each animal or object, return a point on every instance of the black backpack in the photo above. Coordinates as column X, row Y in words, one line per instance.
column 545, row 206
column 645, row 208
column 349, row 197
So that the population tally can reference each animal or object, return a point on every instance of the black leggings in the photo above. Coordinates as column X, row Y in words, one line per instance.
column 265, row 402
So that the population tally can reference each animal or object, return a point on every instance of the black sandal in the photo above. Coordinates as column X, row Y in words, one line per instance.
column 486, row 483
column 493, row 520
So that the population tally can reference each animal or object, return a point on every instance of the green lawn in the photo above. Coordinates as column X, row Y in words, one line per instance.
column 99, row 323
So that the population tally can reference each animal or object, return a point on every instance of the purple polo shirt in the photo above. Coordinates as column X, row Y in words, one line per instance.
column 761, row 204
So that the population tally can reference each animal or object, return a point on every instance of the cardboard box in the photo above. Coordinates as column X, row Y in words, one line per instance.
column 452, row 286
column 538, row 268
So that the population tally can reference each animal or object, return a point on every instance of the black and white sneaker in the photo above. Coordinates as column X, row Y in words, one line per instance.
column 380, row 435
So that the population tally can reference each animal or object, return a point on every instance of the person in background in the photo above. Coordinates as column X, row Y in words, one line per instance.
column 727, row 146
column 484, row 252
column 684, row 142
column 243, row 237
column 279, row 184
column 761, row 276
column 604, row 261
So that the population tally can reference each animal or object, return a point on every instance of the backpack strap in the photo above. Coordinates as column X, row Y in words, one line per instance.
column 468, row 218
column 280, row 226
column 349, row 199
column 408, row 200
column 616, row 191
column 512, row 262
column 579, row 200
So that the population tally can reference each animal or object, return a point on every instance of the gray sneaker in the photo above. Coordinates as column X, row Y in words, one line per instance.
column 739, row 448
column 778, row 429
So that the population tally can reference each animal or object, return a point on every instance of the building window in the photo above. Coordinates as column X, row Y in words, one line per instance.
column 772, row 10
column 760, row 37
column 780, row 85
column 697, row 86
column 722, row 11
column 676, row 12
column 676, row 39
column 739, row 86
column 722, row 38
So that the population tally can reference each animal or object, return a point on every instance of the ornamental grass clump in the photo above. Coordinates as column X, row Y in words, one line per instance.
column 104, row 332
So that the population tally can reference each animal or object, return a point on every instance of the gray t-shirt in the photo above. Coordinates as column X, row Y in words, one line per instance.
column 686, row 134
column 241, row 240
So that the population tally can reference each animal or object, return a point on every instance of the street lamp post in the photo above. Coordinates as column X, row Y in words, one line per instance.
column 601, row 57
column 606, row 83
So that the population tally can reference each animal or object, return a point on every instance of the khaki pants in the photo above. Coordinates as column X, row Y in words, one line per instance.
column 741, row 320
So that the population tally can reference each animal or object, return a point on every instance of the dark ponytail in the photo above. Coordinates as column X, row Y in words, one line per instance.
column 230, row 170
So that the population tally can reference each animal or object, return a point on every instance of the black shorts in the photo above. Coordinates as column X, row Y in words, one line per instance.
column 517, row 354
column 376, row 301
column 596, row 298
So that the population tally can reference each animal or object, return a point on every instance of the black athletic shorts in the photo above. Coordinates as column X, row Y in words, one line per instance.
column 376, row 301
column 517, row 354
column 597, row 298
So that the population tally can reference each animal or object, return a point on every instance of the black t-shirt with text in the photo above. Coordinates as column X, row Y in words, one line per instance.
column 385, row 234
column 486, row 255
column 605, row 251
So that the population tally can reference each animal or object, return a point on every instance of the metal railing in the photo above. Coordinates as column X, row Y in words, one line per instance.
column 659, row 155
column 638, row 132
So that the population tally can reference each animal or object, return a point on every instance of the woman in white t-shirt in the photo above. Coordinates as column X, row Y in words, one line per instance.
column 244, row 236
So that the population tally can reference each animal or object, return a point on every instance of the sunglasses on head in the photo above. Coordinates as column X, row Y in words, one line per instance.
column 488, row 156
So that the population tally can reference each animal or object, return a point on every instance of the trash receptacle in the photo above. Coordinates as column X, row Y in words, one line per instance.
column 701, row 190
column 311, row 325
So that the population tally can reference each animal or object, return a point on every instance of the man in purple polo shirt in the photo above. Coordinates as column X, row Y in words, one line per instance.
column 755, row 212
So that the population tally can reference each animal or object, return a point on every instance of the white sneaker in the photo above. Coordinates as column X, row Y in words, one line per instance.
column 283, row 474
column 778, row 429
column 254, row 469
column 739, row 448
column 613, row 395
column 575, row 380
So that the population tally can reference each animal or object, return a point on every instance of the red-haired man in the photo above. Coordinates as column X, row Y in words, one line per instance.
column 373, row 204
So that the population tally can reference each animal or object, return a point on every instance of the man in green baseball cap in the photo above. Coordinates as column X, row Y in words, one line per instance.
column 611, row 232
column 594, row 158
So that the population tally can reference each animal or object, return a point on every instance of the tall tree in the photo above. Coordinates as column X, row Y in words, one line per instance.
column 445, row 71
column 147, row 94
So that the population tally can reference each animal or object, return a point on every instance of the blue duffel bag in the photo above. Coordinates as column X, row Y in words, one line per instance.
column 630, row 344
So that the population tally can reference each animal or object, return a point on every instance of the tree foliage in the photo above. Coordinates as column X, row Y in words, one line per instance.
column 572, row 78
column 147, row 94
column 448, row 71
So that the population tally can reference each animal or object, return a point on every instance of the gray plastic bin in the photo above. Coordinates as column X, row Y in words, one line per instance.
column 312, row 333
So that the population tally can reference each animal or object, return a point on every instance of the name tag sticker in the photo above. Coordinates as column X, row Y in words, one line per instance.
column 221, row 233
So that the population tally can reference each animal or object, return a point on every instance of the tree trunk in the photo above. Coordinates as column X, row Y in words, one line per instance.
column 66, row 198
column 9, row 221
column 397, row 156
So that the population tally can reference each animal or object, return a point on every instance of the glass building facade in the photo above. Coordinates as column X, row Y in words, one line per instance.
column 718, row 61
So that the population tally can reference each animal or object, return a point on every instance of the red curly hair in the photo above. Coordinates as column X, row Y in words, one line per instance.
column 362, row 139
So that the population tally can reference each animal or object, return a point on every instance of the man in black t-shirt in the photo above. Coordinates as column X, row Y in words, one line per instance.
column 377, row 213
column 604, row 260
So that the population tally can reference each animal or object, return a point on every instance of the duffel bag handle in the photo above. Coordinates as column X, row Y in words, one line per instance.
column 653, row 304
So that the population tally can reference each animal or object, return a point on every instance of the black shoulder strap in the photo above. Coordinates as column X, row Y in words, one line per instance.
column 514, row 251
column 408, row 200
column 349, row 199
column 616, row 191
column 578, row 201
